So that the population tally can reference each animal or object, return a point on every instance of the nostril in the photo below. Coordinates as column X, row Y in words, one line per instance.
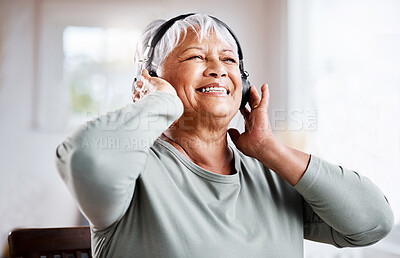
column 217, row 75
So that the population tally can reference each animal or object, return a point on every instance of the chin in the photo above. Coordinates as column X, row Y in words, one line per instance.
column 221, row 111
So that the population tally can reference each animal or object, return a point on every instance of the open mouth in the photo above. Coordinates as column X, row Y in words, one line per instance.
column 214, row 88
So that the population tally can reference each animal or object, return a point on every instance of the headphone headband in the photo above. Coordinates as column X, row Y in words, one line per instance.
column 164, row 27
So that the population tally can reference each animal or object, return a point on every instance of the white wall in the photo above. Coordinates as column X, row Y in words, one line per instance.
column 31, row 192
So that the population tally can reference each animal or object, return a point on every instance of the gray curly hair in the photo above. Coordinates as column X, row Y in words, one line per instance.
column 202, row 24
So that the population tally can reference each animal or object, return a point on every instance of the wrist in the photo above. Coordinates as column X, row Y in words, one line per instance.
column 270, row 152
column 287, row 162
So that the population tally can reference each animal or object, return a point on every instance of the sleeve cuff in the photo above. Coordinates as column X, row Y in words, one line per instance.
column 171, row 102
column 309, row 176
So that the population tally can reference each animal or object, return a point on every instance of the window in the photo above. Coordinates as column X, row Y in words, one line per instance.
column 344, row 60
column 85, row 60
column 97, row 68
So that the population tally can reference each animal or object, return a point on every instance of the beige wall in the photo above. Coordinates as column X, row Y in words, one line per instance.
column 31, row 192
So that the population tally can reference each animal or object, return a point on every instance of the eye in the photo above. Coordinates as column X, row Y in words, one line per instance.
column 230, row 60
column 195, row 57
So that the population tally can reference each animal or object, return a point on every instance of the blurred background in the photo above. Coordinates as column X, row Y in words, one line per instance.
column 333, row 68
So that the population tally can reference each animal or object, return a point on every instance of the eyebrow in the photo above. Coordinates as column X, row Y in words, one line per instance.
column 227, row 50
column 190, row 48
column 200, row 48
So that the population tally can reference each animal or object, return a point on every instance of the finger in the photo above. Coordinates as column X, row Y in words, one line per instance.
column 147, row 91
column 138, row 91
column 138, row 84
column 254, row 100
column 145, row 73
column 145, row 77
column 245, row 113
column 148, row 82
column 136, row 96
column 265, row 96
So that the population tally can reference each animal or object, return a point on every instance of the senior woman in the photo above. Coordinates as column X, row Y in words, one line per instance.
column 169, row 184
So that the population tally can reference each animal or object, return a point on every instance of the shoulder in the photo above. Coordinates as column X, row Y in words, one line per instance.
column 266, row 187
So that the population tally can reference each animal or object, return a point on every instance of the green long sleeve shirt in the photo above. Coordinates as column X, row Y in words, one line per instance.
column 143, row 198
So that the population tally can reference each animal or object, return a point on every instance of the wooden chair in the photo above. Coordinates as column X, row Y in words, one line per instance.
column 50, row 242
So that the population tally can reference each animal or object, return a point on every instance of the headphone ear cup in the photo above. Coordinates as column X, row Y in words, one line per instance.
column 153, row 74
column 245, row 91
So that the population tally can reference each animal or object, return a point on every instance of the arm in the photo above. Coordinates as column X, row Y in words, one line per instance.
column 101, row 161
column 341, row 207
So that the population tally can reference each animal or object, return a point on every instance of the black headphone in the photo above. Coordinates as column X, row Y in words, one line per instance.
column 163, row 29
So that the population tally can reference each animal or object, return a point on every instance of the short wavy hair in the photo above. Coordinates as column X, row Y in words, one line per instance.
column 202, row 24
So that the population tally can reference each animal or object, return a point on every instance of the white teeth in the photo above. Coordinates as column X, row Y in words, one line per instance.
column 214, row 89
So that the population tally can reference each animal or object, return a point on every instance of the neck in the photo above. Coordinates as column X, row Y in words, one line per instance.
column 206, row 148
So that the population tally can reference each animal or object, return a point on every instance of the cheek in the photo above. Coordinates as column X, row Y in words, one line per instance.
column 237, row 79
column 181, row 82
column 174, row 76
column 186, row 75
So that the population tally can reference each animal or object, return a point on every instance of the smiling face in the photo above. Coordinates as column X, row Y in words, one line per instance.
column 205, row 75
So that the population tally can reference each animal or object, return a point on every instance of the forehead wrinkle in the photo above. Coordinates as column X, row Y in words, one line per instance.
column 193, row 34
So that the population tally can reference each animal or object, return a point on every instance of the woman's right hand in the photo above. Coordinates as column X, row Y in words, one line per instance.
column 147, row 84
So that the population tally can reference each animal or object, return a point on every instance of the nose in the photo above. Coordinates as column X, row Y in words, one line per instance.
column 215, row 69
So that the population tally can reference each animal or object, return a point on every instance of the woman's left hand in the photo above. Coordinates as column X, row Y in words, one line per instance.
column 258, row 141
column 258, row 133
